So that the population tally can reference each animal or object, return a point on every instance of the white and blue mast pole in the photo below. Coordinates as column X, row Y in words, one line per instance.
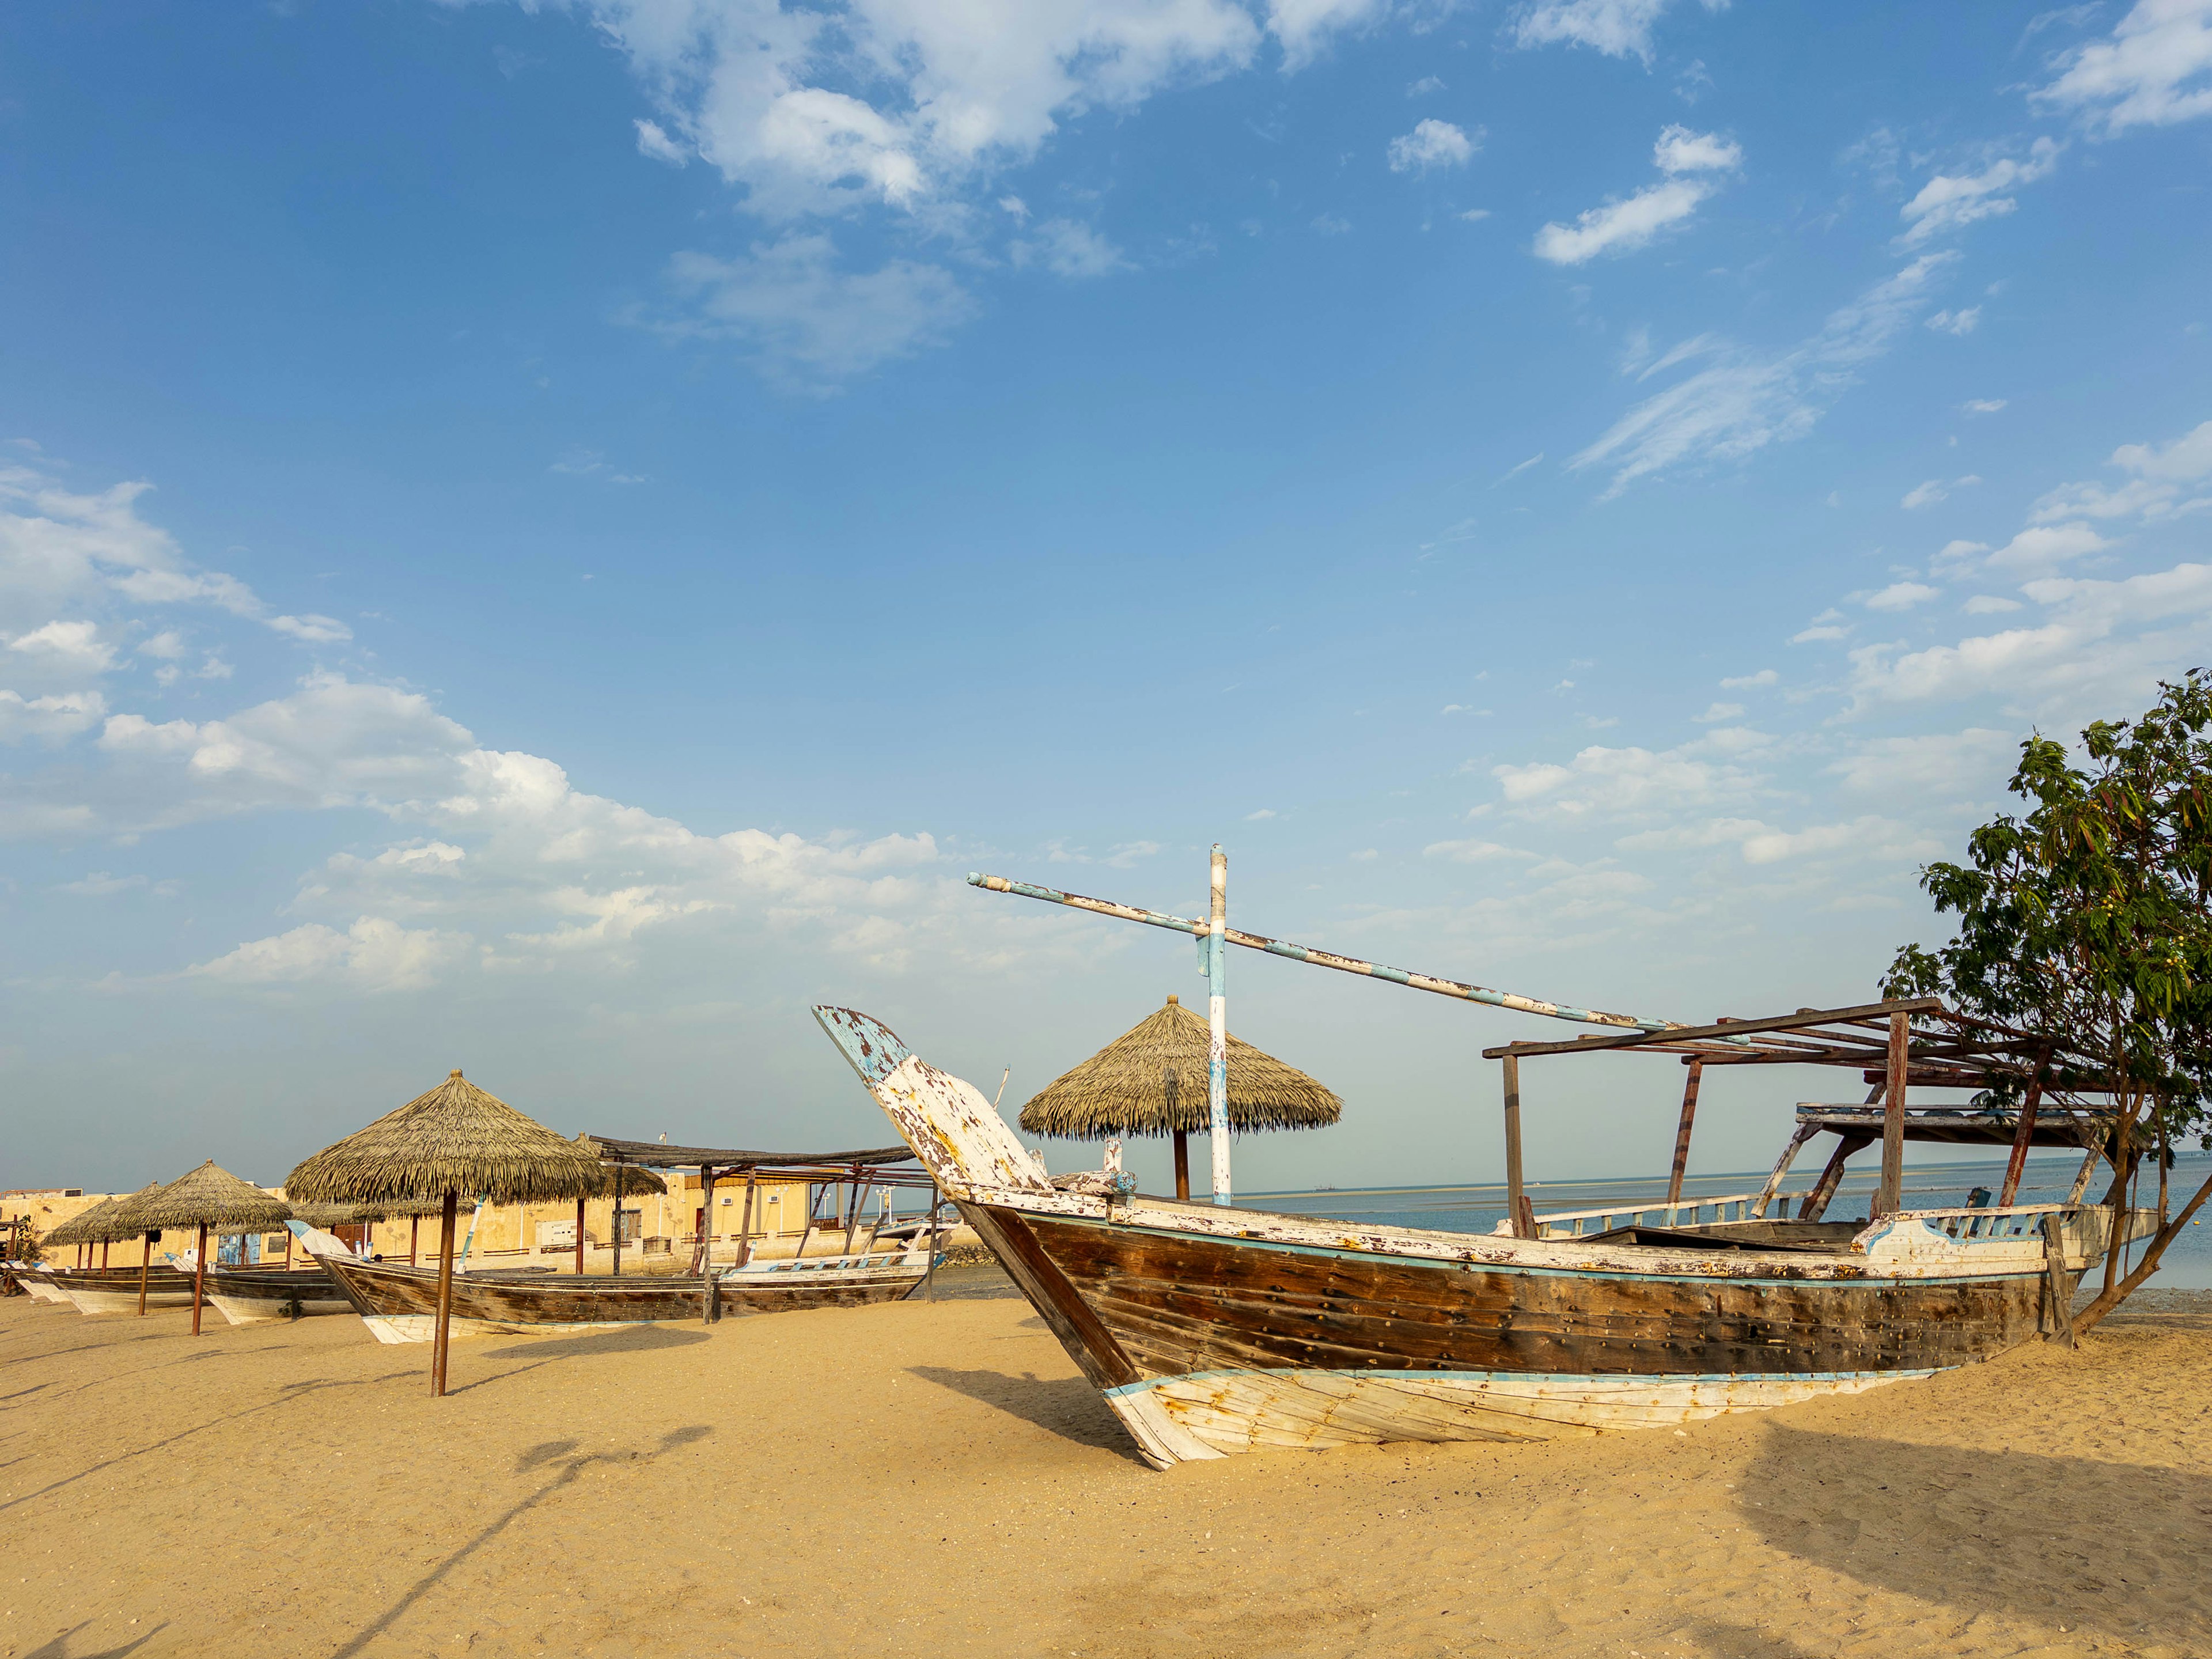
column 1217, row 1020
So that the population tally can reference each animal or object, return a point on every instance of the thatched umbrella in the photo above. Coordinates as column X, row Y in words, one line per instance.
column 617, row 1182
column 454, row 1140
column 1151, row 1080
column 89, row 1227
column 329, row 1218
column 124, row 1221
column 211, row 1198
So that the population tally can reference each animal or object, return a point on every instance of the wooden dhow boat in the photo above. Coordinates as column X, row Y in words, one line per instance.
column 1212, row 1330
column 115, row 1290
column 255, row 1296
column 400, row 1304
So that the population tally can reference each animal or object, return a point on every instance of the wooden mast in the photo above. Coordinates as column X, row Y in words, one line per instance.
column 1697, row 1068
column 1515, row 1201
column 1891, row 1198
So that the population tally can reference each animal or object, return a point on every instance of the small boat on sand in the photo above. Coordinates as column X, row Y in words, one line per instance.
column 37, row 1281
column 400, row 1304
column 115, row 1290
column 247, row 1296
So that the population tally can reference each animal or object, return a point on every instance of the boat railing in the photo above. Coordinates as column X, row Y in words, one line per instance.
column 820, row 1263
column 1687, row 1213
column 1970, row 1221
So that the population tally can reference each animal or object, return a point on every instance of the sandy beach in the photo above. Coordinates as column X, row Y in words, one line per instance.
column 923, row 1478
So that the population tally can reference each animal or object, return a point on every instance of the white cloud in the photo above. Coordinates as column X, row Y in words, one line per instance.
column 1474, row 852
column 2154, row 69
column 374, row 954
column 654, row 142
column 766, row 94
column 2158, row 488
column 812, row 324
column 169, row 645
column 1946, row 766
column 1432, row 144
column 1069, row 249
column 1817, row 633
column 1924, row 494
column 1748, row 682
column 100, row 884
column 1474, row 215
column 1720, row 711
column 1956, row 322
column 1900, row 596
column 2045, row 548
column 1628, row 782
column 1744, row 401
column 1424, row 87
column 1619, row 28
column 1264, row 813
column 1983, row 405
column 68, row 646
column 1623, row 226
column 52, row 719
column 1951, row 202
column 1304, row 27
column 1989, row 604
column 1327, row 224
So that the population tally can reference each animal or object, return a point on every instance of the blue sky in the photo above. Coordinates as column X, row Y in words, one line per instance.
column 549, row 539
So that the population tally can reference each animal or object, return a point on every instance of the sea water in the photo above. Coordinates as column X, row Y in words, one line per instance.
column 2187, row 1264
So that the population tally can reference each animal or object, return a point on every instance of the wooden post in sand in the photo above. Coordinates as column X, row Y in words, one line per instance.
column 708, row 1312
column 1697, row 1070
column 145, row 1259
column 1891, row 1198
column 745, row 1227
column 199, row 1277
column 580, row 1236
column 441, row 1338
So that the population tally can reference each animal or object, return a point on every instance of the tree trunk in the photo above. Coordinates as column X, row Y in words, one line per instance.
column 2116, row 1199
column 2114, row 1295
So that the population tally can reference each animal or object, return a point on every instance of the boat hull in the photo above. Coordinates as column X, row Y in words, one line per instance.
column 115, row 1290
column 246, row 1297
column 400, row 1304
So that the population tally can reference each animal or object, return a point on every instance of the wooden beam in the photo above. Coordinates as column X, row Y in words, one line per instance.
column 1697, row 1071
column 1183, row 1165
column 579, row 1238
column 1891, row 1198
column 2022, row 1137
column 1673, row 1034
column 744, row 1227
column 709, row 1309
column 1824, row 1190
column 1805, row 1133
column 1514, row 1197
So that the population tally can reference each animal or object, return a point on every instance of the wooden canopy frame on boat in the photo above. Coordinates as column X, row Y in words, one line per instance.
column 1895, row 1046
column 879, row 1166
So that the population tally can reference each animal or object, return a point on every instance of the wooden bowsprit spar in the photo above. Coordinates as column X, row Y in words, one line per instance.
column 1214, row 934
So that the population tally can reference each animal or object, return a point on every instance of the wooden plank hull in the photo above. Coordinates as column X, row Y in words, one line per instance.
column 115, row 1290
column 246, row 1297
column 1205, row 1345
column 400, row 1304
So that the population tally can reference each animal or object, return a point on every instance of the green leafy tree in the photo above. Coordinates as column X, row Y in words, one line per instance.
column 2088, row 920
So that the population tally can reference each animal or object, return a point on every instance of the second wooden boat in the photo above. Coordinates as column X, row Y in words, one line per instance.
column 246, row 1295
column 400, row 1304
column 115, row 1290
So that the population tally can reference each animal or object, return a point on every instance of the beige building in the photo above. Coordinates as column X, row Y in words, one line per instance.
column 660, row 1231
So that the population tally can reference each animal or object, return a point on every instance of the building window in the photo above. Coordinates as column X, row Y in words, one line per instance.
column 626, row 1225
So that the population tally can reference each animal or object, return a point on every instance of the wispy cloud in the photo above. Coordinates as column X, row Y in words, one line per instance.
column 1694, row 164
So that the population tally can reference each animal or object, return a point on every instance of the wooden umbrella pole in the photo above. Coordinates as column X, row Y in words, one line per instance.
column 145, row 1259
column 580, row 1235
column 199, row 1277
column 414, row 1237
column 103, row 1256
column 442, row 1337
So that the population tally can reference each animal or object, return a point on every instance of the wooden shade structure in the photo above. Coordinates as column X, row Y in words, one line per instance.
column 211, row 1198
column 456, row 1138
column 1152, row 1080
column 619, row 1181
column 96, row 1226
column 123, row 1222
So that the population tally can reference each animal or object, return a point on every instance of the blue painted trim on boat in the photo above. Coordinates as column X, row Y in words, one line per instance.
column 1295, row 1371
column 1533, row 1269
column 871, row 1047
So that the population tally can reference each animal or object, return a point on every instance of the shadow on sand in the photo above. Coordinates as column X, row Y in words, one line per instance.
column 2071, row 1542
column 1069, row 1406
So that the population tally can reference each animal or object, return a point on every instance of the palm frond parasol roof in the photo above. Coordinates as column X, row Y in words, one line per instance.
column 620, row 1180
column 1151, row 1080
column 101, row 1224
column 210, row 1197
column 456, row 1138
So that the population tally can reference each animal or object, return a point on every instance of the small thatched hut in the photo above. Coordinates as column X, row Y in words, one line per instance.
column 1151, row 1080
column 212, row 1199
column 454, row 1140
column 97, row 1225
